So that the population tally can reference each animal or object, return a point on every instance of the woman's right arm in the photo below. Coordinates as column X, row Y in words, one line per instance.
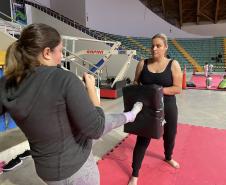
column 91, row 89
column 85, row 115
column 138, row 72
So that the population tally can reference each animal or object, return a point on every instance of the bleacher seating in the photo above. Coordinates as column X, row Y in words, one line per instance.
column 174, row 53
column 202, row 50
column 224, row 52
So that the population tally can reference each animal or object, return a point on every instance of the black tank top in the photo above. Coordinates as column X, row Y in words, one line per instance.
column 164, row 79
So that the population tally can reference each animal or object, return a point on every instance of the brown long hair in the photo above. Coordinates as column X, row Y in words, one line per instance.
column 22, row 55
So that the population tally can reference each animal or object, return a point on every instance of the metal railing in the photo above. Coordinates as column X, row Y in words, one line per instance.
column 96, row 34
column 93, row 33
column 74, row 60
column 12, row 27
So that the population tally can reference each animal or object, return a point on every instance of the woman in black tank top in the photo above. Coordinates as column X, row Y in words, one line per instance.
column 167, row 73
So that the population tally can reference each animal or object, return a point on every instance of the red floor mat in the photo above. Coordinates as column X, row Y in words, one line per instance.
column 200, row 151
column 200, row 81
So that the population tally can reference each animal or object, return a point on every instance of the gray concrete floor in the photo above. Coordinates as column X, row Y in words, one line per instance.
column 196, row 107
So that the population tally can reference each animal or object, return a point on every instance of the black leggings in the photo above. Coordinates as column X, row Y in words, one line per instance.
column 170, row 130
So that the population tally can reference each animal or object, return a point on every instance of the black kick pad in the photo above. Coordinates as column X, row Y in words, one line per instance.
column 149, row 122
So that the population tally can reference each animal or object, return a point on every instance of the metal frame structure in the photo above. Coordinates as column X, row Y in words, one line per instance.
column 72, row 56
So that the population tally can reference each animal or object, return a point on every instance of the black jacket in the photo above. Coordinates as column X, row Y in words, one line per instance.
column 52, row 108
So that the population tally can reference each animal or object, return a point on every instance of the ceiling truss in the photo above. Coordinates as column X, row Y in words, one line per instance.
column 181, row 12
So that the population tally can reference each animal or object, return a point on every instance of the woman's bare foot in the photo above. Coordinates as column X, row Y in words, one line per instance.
column 133, row 181
column 173, row 163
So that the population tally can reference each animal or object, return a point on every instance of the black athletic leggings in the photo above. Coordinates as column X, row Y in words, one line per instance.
column 170, row 130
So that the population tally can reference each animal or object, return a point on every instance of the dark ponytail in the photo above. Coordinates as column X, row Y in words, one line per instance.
column 22, row 55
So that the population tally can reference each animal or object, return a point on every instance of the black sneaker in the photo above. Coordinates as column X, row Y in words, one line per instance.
column 24, row 155
column 12, row 164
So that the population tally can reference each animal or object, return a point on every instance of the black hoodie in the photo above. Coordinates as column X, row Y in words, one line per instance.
column 52, row 108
